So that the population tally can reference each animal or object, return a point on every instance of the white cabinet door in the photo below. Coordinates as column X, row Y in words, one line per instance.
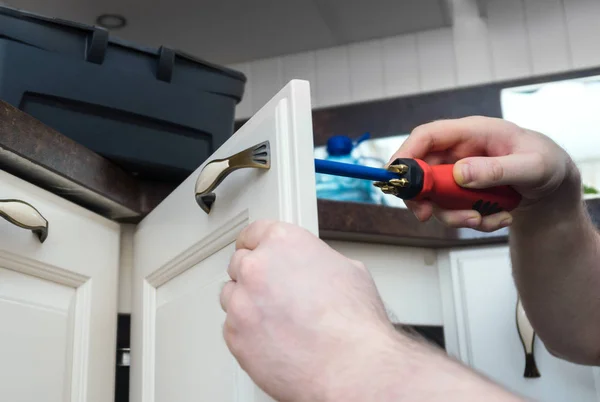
column 58, row 299
column 480, row 325
column 181, row 255
column 406, row 278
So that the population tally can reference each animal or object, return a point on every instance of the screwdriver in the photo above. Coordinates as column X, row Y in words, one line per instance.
column 415, row 180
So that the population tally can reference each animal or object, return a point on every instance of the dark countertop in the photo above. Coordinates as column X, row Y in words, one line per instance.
column 48, row 159
column 386, row 225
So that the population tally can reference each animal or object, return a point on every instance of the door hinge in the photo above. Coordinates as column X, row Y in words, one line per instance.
column 123, row 357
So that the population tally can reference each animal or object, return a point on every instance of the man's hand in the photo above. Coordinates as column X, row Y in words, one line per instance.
column 300, row 316
column 555, row 248
column 488, row 152
column 307, row 324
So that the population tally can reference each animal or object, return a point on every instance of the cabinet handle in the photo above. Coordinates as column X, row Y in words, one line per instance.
column 24, row 215
column 527, row 336
column 214, row 172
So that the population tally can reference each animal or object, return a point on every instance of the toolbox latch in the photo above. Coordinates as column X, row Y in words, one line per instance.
column 97, row 44
column 166, row 64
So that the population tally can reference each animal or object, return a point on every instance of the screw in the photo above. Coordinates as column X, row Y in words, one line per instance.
column 389, row 190
column 399, row 182
column 400, row 169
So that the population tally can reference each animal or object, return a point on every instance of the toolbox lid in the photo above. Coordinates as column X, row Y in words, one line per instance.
column 94, row 44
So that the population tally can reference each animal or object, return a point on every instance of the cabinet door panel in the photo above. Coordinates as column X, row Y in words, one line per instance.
column 58, row 302
column 39, row 315
column 180, row 303
column 181, row 255
column 485, row 299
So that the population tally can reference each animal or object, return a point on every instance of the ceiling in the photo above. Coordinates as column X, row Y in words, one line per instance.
column 232, row 31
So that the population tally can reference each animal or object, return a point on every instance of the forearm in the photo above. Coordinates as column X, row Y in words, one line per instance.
column 408, row 369
column 556, row 265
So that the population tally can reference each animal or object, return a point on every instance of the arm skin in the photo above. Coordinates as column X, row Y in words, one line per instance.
column 411, row 370
column 555, row 252
column 555, row 249
column 308, row 325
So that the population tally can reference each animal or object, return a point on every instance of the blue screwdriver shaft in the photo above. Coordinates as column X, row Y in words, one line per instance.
column 355, row 171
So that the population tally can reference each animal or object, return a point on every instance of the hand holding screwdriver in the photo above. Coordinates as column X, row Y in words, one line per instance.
column 436, row 184
column 486, row 153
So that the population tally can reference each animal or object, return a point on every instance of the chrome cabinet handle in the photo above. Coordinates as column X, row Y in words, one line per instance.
column 24, row 215
column 214, row 172
column 527, row 336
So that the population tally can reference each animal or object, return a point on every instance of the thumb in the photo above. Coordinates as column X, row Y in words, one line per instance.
column 523, row 170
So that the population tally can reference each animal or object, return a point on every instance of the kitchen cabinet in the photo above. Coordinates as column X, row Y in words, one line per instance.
column 406, row 278
column 479, row 305
column 58, row 298
column 172, row 266
column 181, row 251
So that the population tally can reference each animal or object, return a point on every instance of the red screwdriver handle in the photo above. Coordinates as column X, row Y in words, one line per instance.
column 440, row 188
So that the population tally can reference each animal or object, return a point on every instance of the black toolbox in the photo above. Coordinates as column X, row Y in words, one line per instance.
column 159, row 113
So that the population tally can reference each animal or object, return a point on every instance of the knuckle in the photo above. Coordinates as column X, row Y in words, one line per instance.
column 538, row 163
column 248, row 267
column 478, row 119
column 359, row 265
column 237, row 308
column 231, row 338
column 494, row 171
column 423, row 134
column 253, row 273
column 277, row 232
column 444, row 218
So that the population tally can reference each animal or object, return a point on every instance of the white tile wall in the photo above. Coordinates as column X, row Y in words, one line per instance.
column 401, row 74
column 583, row 29
column 333, row 76
column 547, row 36
column 509, row 42
column 518, row 38
column 269, row 72
column 471, row 45
column 301, row 66
column 437, row 61
column 366, row 70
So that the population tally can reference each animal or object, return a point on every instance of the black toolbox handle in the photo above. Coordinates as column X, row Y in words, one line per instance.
column 97, row 45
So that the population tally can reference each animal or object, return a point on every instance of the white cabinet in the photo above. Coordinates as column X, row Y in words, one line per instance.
column 58, row 299
column 181, row 255
column 479, row 304
column 406, row 278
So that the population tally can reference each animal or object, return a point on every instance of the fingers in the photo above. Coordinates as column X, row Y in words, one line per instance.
column 236, row 262
column 445, row 134
column 495, row 222
column 423, row 210
column 252, row 234
column 226, row 293
column 515, row 169
column 472, row 219
column 458, row 219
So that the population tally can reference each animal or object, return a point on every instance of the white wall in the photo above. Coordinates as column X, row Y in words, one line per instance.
column 519, row 38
